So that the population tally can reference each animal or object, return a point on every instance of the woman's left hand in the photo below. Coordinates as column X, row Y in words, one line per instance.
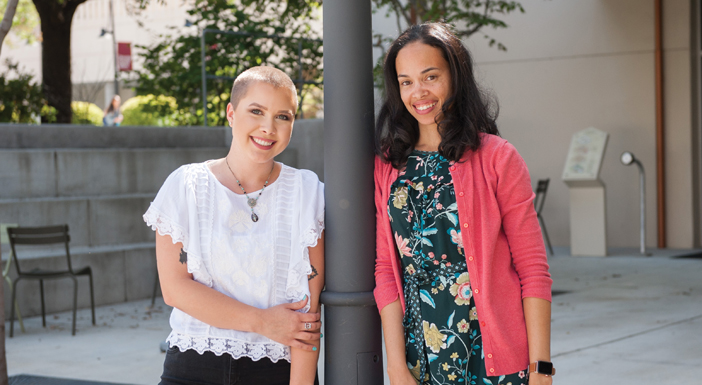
column 540, row 379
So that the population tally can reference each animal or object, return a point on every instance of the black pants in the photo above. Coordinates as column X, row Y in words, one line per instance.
column 191, row 368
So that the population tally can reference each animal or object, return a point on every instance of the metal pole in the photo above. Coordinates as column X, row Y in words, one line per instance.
column 114, row 48
column 353, row 353
column 299, row 76
column 204, row 76
column 642, row 187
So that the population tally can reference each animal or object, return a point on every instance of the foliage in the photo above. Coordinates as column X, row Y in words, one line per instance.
column 149, row 110
column 86, row 113
column 22, row 100
column 172, row 66
column 468, row 17
column 25, row 24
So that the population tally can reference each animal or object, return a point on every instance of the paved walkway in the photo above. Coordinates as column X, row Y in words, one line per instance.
column 624, row 319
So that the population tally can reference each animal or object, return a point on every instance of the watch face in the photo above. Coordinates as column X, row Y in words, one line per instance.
column 544, row 367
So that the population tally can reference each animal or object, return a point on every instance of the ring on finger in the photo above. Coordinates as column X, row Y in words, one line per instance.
column 308, row 326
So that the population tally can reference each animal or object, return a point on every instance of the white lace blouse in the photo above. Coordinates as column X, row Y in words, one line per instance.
column 261, row 264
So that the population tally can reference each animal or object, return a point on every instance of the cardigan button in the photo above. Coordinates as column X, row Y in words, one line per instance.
column 482, row 323
column 476, row 291
column 470, row 258
column 452, row 168
column 460, row 194
column 465, row 225
column 489, row 355
column 492, row 370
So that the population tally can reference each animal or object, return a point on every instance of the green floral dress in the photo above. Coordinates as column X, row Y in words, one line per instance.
column 442, row 334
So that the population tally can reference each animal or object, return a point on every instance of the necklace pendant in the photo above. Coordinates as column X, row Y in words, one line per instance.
column 252, row 203
column 254, row 217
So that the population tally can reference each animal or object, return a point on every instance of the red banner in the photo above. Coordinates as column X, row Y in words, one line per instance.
column 124, row 56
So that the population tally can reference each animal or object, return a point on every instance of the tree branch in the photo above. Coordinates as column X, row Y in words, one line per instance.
column 6, row 23
column 399, row 10
column 479, row 25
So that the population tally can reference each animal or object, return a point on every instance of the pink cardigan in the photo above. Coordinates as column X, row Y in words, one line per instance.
column 503, row 246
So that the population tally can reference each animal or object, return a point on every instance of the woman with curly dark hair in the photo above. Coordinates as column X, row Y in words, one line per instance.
column 462, row 279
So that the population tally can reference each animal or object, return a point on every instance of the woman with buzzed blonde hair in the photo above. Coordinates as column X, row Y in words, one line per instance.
column 240, row 250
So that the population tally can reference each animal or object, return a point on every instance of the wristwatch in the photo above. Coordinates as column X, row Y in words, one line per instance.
column 542, row 367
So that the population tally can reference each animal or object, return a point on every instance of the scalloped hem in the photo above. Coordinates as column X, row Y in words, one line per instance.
column 165, row 226
column 235, row 348
column 310, row 237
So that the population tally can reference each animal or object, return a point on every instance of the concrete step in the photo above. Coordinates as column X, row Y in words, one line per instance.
column 37, row 173
column 92, row 220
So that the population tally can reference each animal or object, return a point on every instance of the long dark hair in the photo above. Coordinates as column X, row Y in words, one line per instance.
column 465, row 114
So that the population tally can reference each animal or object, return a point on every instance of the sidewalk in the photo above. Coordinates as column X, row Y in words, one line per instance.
column 624, row 319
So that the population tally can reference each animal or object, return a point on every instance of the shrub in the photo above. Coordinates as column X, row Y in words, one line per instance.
column 21, row 100
column 86, row 113
column 150, row 110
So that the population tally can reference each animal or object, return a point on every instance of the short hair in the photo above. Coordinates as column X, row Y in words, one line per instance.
column 263, row 74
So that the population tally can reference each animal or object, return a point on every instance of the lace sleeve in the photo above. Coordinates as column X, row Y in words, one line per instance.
column 309, row 214
column 160, row 222
column 168, row 213
column 312, row 215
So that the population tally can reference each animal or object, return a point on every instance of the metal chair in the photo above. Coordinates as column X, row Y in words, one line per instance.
column 541, row 189
column 45, row 236
column 4, row 240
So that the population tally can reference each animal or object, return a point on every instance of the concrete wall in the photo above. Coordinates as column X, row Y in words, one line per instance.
column 575, row 64
column 100, row 181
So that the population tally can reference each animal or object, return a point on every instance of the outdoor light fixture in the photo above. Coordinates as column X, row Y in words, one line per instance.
column 627, row 159
column 104, row 33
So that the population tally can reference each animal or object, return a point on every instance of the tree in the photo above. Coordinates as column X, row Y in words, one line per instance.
column 7, row 18
column 468, row 17
column 25, row 23
column 56, row 17
column 172, row 66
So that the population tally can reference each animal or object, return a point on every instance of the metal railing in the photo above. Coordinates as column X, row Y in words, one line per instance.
column 299, row 81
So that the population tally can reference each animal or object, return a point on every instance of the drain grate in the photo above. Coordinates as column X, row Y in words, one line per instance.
column 23, row 379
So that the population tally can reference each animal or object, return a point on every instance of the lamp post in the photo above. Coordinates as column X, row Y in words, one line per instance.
column 111, row 31
column 627, row 159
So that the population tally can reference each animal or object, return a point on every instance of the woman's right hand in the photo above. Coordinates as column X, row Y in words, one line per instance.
column 401, row 376
column 282, row 323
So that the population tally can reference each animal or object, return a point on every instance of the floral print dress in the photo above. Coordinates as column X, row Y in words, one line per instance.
column 442, row 334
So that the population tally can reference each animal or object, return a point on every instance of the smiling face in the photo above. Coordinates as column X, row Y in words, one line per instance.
column 262, row 122
column 424, row 77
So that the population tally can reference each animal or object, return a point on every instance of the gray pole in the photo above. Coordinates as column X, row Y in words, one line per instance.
column 353, row 353
column 114, row 48
column 642, row 188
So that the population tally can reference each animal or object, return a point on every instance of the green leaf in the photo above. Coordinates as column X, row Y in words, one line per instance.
column 426, row 297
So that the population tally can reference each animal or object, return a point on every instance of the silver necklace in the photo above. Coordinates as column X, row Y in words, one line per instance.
column 251, row 201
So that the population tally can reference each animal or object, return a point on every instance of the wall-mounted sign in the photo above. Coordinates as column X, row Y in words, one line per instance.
column 585, row 155
column 124, row 56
